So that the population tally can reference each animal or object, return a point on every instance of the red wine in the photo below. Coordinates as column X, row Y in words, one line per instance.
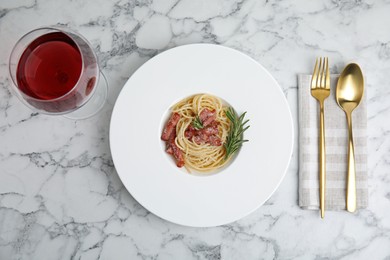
column 50, row 67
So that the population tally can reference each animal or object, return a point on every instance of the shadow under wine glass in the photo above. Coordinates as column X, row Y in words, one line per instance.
column 55, row 72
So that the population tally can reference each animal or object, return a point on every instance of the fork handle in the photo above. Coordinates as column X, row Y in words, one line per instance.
column 322, row 160
column 351, row 177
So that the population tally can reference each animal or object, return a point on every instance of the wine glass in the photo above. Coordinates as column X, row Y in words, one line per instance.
column 55, row 71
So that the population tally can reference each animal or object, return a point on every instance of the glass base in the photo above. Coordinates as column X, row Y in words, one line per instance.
column 94, row 104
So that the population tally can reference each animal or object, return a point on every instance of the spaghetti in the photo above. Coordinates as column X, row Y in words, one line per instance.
column 196, row 133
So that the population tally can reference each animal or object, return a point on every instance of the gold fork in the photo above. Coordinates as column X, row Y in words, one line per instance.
column 320, row 90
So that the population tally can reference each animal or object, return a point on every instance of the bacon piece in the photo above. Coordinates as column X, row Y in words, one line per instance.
column 211, row 129
column 177, row 153
column 215, row 140
column 170, row 126
column 174, row 150
column 207, row 116
column 169, row 150
column 200, row 138
column 191, row 128
column 170, row 142
column 207, row 134
column 190, row 132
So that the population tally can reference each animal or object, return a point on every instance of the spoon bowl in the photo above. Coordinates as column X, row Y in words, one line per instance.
column 350, row 88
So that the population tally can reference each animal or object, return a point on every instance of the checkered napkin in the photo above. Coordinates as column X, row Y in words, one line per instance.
column 336, row 145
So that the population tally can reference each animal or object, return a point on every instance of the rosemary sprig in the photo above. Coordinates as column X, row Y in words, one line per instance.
column 197, row 123
column 234, row 139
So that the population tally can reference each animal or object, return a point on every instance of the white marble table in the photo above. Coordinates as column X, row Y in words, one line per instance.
column 60, row 196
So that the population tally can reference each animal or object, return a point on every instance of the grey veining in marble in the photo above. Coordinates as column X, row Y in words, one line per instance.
column 60, row 196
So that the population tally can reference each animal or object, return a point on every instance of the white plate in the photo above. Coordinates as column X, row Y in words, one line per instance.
column 151, row 176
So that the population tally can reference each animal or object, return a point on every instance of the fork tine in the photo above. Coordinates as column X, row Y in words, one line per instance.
column 318, row 82
column 327, row 81
column 315, row 75
column 322, row 74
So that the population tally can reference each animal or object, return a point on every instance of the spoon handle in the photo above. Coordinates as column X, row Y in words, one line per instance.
column 351, row 178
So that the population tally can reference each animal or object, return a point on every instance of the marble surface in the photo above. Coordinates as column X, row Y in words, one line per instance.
column 60, row 196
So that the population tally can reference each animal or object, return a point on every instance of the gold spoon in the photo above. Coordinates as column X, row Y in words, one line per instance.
column 349, row 93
